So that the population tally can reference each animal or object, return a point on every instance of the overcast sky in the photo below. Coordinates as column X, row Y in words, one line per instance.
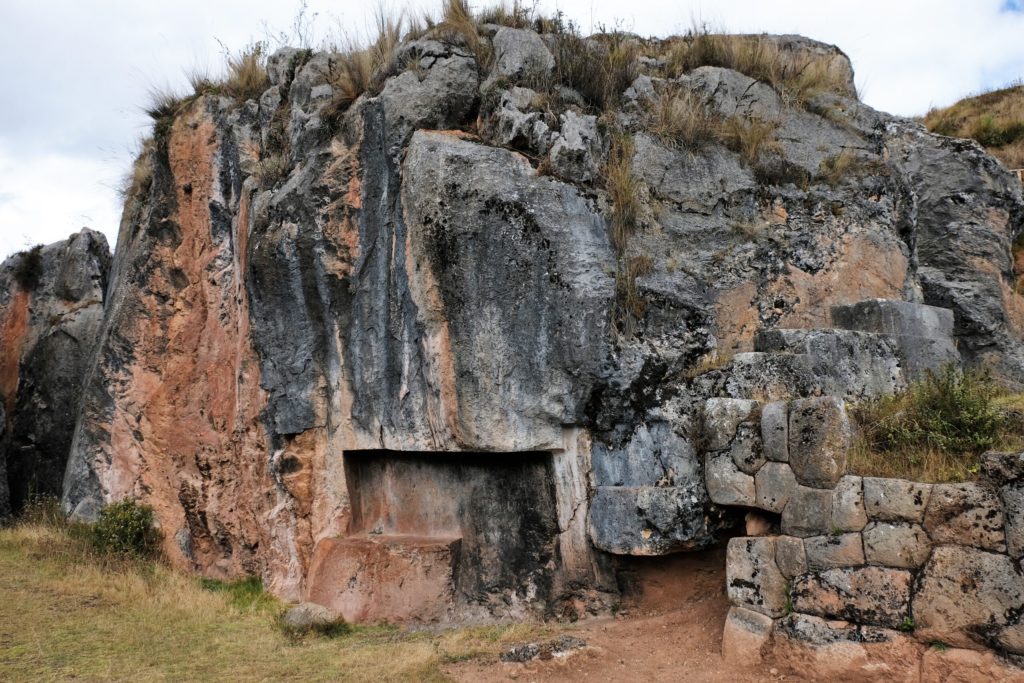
column 75, row 73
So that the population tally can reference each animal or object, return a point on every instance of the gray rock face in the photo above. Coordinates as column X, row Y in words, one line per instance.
column 866, row 595
column 648, row 520
column 48, row 331
column 965, row 514
column 967, row 597
column 819, row 437
column 1012, row 496
column 519, row 53
column 654, row 456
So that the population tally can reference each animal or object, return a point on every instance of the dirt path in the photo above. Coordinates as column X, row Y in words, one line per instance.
column 671, row 632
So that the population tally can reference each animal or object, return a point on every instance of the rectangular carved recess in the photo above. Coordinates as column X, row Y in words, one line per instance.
column 498, row 509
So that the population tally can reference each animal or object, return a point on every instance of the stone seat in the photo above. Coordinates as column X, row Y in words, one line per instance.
column 376, row 578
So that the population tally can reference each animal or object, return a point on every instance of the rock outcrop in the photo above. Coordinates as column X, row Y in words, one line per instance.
column 494, row 280
column 51, row 310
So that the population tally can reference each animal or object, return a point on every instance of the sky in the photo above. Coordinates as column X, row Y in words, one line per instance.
column 76, row 73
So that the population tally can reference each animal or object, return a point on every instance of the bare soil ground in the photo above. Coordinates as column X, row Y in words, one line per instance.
column 670, row 630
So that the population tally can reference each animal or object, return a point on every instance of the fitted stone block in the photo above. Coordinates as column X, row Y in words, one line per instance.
column 896, row 544
column 834, row 550
column 745, row 635
column 745, row 449
column 385, row 578
column 808, row 512
column 895, row 500
column 775, row 431
column 774, row 483
column 866, row 595
column 753, row 580
column 721, row 418
column 848, row 513
column 968, row 597
column 790, row 556
column 965, row 514
column 819, row 438
column 727, row 485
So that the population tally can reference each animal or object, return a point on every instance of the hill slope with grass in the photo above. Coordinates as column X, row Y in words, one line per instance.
column 995, row 119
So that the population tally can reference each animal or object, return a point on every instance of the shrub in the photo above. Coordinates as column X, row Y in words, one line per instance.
column 835, row 168
column 243, row 594
column 126, row 529
column 29, row 268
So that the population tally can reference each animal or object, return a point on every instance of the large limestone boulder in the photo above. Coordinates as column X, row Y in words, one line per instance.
column 50, row 317
column 970, row 598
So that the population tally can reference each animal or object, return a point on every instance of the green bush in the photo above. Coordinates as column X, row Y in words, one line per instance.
column 246, row 594
column 126, row 529
column 952, row 411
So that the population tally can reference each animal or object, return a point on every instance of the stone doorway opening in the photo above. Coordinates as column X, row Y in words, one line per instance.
column 438, row 535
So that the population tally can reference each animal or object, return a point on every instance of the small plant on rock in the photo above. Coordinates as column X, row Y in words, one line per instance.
column 126, row 529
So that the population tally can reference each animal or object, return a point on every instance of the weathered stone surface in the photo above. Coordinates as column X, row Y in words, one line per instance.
column 775, row 431
column 649, row 520
column 745, row 635
column 848, row 513
column 819, row 437
column 895, row 500
column 308, row 615
column 896, row 544
column 924, row 334
column 808, row 513
column 865, row 595
column 774, row 484
column 965, row 514
column 1012, row 496
column 519, row 53
column 655, row 455
column 722, row 417
column 834, row 550
column 968, row 598
column 752, row 578
column 726, row 484
column 957, row 665
column 49, row 325
column 745, row 450
column 856, row 364
column 811, row 648
column 577, row 148
column 385, row 578
column 790, row 556
column 1003, row 468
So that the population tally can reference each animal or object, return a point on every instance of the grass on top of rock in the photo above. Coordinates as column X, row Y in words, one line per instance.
column 995, row 119
column 938, row 428
column 69, row 613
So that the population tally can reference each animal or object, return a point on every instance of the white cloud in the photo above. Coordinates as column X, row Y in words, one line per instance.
column 76, row 74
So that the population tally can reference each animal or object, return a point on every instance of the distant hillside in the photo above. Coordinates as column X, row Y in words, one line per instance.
column 995, row 119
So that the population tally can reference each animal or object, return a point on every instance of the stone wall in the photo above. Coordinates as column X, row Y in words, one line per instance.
column 863, row 576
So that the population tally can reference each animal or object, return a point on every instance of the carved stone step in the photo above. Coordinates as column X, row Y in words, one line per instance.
column 924, row 333
column 370, row 579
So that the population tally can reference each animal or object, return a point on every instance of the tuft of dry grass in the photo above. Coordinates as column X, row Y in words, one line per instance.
column 247, row 73
column 138, row 181
column 678, row 117
column 356, row 70
column 458, row 22
column 797, row 77
column 622, row 187
column 750, row 137
column 68, row 614
column 834, row 169
column 995, row 119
